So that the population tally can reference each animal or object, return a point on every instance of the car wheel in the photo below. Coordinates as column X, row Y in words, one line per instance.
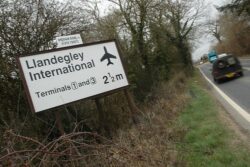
column 216, row 80
column 241, row 74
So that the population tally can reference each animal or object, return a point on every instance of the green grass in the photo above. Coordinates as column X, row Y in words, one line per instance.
column 208, row 142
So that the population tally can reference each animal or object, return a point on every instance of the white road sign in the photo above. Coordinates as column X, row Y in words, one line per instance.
column 63, row 76
column 69, row 40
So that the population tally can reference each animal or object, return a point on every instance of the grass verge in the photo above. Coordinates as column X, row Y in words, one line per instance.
column 208, row 142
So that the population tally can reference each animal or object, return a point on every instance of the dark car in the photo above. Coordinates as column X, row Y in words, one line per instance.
column 226, row 67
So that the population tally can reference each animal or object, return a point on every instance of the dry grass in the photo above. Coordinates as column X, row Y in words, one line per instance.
column 151, row 142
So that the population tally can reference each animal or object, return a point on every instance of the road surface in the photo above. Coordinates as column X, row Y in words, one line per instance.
column 237, row 90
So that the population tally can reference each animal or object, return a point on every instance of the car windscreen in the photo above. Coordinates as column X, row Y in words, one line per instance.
column 231, row 61
column 225, row 62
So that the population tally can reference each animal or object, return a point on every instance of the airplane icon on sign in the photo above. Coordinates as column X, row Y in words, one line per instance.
column 107, row 56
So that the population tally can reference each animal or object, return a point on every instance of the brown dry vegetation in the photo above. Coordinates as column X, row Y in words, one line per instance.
column 234, row 29
column 151, row 142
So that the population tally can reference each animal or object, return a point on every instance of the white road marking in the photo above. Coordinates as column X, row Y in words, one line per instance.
column 240, row 110
column 246, row 68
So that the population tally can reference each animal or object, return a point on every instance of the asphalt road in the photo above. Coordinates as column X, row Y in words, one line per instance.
column 245, row 63
column 237, row 89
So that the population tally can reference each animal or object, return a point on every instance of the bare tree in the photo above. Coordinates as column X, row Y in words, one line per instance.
column 214, row 28
column 103, row 27
column 241, row 7
column 136, row 14
column 234, row 30
column 182, row 17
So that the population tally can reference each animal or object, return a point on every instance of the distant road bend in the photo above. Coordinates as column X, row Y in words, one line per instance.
column 233, row 94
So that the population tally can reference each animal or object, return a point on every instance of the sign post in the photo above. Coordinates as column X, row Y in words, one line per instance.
column 66, row 75
column 59, row 122
column 132, row 106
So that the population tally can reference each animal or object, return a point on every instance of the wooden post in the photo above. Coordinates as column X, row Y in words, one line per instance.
column 100, row 114
column 133, row 108
column 59, row 122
